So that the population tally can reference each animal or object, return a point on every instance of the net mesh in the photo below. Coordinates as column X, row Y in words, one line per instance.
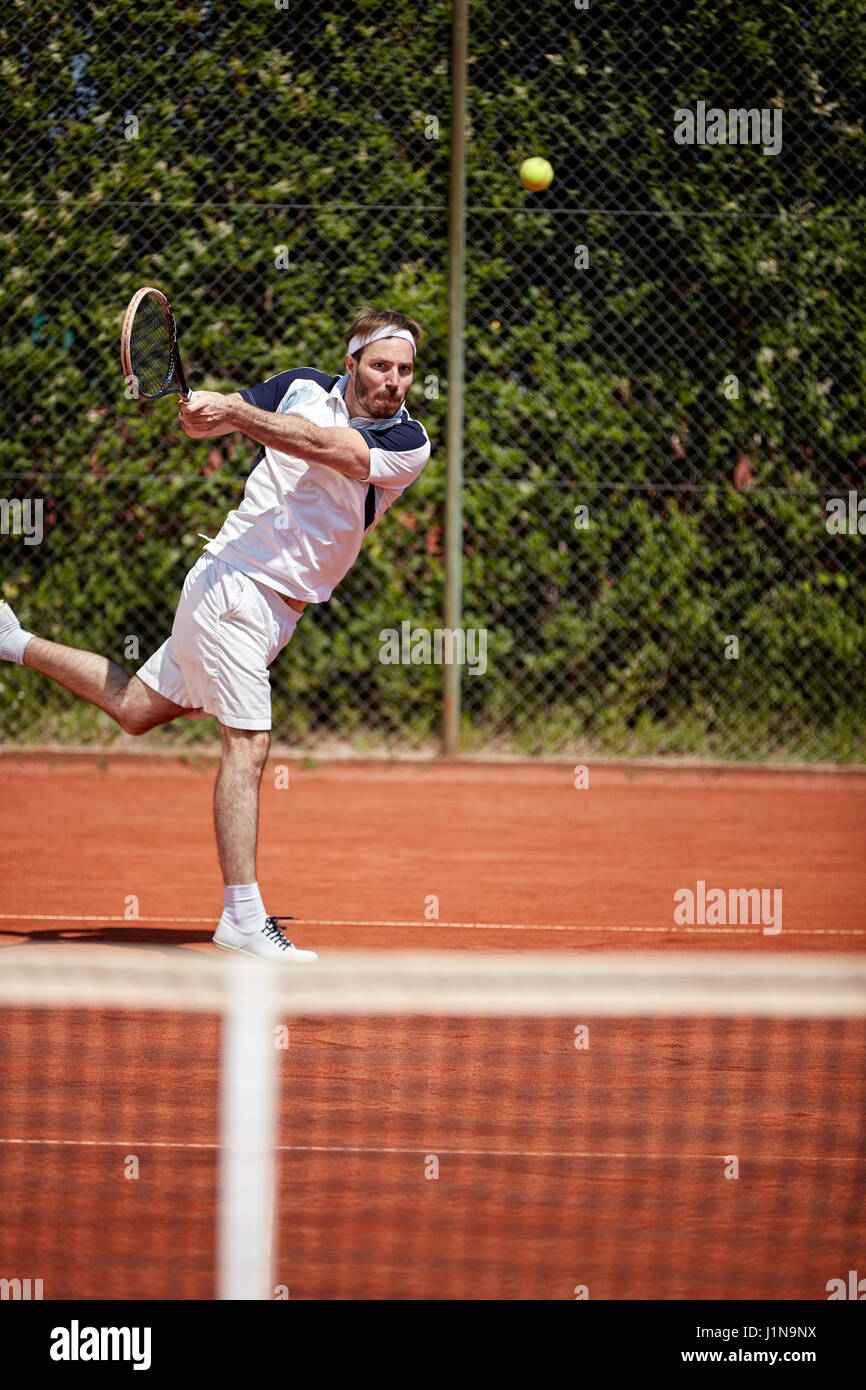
column 449, row 1126
column 150, row 348
column 108, row 1152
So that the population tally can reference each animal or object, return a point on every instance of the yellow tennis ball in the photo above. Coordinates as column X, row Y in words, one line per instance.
column 536, row 174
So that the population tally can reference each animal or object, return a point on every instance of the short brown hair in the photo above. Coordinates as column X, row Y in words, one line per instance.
column 368, row 320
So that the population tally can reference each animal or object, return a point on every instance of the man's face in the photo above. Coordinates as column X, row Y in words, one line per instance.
column 382, row 377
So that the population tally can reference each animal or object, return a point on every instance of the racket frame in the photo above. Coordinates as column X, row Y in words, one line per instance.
column 175, row 369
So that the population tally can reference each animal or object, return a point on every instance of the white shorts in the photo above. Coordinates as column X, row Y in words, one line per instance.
column 227, row 631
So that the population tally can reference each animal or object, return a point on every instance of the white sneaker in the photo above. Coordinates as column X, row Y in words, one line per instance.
column 268, row 943
column 8, row 624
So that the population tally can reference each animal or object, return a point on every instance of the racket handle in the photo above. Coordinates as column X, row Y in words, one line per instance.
column 183, row 389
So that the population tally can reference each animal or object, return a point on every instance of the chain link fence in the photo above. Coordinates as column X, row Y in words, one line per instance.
column 663, row 544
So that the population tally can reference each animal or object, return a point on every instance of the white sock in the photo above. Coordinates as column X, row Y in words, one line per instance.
column 13, row 643
column 243, row 907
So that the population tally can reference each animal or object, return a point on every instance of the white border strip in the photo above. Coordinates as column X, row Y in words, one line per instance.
column 465, row 983
column 668, row 929
column 375, row 1151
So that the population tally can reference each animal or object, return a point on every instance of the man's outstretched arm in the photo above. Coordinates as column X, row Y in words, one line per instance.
column 210, row 413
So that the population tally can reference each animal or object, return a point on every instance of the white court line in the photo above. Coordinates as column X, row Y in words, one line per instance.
column 452, row 926
column 132, row 1144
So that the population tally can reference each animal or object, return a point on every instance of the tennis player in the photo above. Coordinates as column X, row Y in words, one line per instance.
column 335, row 452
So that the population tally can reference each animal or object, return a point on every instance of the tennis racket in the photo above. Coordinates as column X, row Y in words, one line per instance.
column 149, row 352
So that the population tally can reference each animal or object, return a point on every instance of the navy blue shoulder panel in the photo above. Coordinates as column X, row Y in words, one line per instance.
column 271, row 392
column 401, row 437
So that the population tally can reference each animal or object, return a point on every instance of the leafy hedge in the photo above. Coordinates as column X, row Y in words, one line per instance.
column 607, row 387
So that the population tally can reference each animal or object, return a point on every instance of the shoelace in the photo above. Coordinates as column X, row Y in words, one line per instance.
column 274, row 933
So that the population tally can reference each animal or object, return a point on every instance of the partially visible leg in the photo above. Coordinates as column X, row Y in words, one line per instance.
column 130, row 702
column 244, row 924
column 236, row 801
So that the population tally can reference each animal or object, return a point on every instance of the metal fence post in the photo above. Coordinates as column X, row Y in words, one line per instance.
column 456, row 314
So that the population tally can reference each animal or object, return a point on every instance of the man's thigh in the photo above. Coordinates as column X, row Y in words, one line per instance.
column 145, row 708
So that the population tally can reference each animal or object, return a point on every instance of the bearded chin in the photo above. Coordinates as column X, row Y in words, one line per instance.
column 364, row 397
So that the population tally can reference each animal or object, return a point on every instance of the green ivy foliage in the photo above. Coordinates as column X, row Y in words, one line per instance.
column 693, row 378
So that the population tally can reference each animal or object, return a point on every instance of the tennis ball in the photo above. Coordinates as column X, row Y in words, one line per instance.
column 536, row 174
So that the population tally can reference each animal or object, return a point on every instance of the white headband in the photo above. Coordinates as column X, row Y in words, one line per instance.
column 388, row 331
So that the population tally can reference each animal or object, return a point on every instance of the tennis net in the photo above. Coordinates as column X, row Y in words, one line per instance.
column 430, row 1126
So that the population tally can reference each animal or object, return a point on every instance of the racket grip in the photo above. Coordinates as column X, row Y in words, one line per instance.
column 180, row 377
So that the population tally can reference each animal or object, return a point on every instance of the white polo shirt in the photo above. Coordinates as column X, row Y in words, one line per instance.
column 300, row 525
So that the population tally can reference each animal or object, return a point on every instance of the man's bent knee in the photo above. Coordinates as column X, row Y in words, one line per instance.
column 138, row 721
column 132, row 723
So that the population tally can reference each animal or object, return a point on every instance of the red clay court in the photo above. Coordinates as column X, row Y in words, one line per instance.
column 557, row 1170
column 518, row 858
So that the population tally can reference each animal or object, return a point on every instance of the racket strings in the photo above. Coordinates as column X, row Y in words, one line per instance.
column 150, row 347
